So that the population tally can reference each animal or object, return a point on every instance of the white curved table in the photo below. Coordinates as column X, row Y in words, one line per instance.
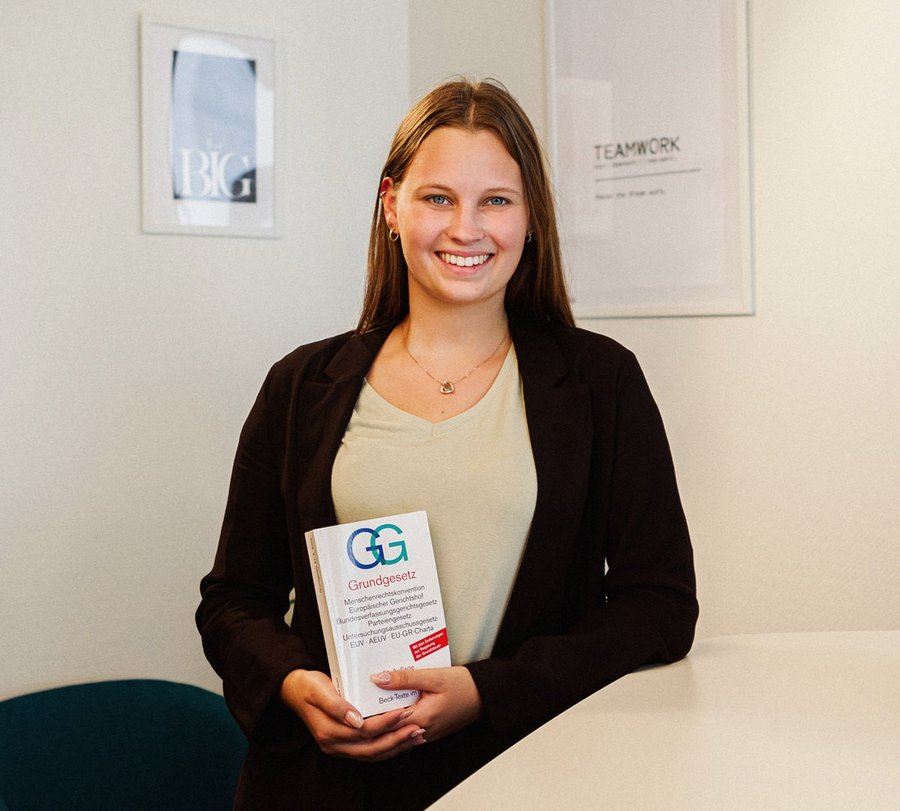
column 764, row 721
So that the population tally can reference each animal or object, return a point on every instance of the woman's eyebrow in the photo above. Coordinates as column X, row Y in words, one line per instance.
column 492, row 190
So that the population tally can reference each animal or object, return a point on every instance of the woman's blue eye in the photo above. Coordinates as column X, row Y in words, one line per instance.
column 497, row 201
column 439, row 199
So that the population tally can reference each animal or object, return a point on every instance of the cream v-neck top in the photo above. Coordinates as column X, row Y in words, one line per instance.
column 474, row 476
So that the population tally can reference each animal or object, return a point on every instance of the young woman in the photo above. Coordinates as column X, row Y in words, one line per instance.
column 535, row 448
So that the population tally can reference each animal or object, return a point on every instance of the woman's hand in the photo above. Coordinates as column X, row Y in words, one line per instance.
column 338, row 727
column 448, row 699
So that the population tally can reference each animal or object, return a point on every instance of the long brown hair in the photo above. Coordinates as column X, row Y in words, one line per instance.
column 538, row 288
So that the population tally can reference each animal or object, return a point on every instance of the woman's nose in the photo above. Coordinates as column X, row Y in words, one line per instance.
column 466, row 225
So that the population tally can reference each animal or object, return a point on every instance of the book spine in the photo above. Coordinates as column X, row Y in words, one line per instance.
column 325, row 618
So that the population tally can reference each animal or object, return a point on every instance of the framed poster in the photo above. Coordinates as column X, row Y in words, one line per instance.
column 650, row 143
column 209, row 130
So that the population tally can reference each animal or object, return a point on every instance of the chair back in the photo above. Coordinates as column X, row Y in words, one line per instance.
column 136, row 744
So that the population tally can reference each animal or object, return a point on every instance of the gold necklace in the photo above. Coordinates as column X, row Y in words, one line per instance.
column 449, row 386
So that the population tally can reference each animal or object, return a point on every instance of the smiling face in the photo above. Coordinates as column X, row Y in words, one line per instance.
column 462, row 217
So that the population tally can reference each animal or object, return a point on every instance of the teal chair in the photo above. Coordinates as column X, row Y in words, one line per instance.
column 132, row 745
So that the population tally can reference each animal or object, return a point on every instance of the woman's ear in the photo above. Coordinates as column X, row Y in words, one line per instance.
column 388, row 195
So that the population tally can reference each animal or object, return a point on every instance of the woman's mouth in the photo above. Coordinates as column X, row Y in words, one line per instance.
column 465, row 261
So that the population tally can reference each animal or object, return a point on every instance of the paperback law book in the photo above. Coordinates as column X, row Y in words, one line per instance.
column 380, row 604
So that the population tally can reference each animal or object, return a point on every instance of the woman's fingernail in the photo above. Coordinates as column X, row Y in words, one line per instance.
column 382, row 678
column 354, row 719
column 405, row 714
column 418, row 736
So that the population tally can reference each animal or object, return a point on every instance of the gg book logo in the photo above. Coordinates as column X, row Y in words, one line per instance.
column 375, row 550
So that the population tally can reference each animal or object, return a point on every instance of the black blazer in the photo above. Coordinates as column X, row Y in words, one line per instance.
column 606, row 582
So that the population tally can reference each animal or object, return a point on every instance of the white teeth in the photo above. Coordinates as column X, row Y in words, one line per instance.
column 464, row 261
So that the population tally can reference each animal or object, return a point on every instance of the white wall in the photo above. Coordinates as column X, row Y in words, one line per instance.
column 784, row 425
column 129, row 361
column 502, row 39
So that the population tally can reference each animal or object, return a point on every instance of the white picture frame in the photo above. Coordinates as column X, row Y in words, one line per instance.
column 209, row 127
column 650, row 146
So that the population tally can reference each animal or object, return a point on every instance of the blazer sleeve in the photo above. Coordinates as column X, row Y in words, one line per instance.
column 630, row 590
column 244, row 598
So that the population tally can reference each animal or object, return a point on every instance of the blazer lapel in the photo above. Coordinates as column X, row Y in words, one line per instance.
column 325, row 406
column 558, row 411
